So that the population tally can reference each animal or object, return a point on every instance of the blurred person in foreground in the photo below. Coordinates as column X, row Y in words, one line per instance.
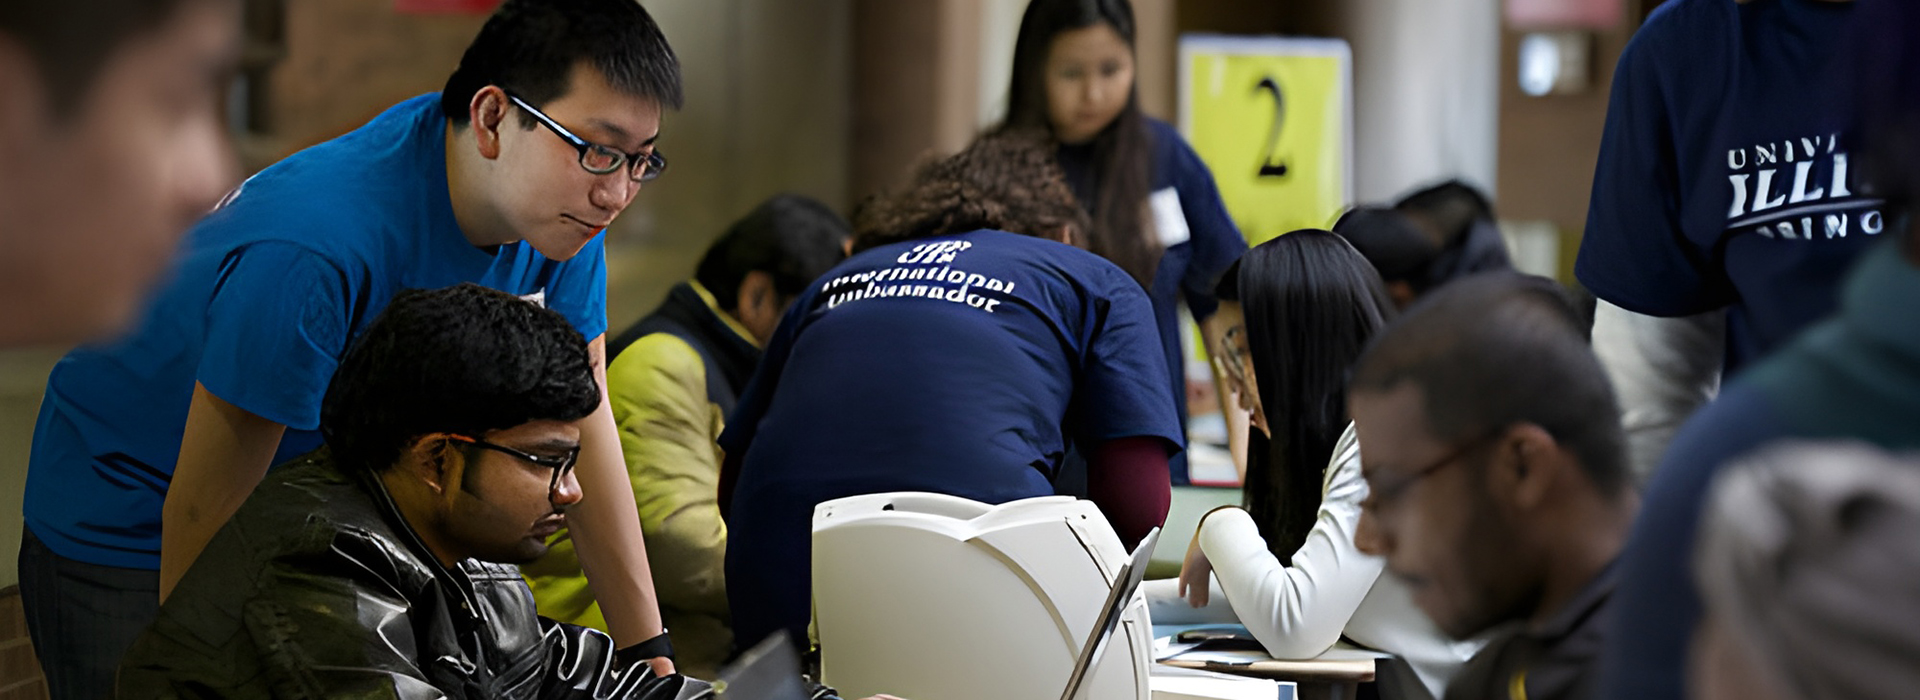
column 112, row 142
column 545, row 131
column 1498, row 485
column 673, row 378
column 1855, row 376
column 1806, row 564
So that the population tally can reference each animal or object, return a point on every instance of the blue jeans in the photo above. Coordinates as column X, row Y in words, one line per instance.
column 82, row 617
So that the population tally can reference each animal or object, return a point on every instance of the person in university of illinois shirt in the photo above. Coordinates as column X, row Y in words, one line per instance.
column 1726, row 200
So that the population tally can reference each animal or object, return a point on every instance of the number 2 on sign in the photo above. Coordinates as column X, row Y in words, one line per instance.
column 1269, row 163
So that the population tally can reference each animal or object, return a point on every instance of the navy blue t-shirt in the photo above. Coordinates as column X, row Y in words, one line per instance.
column 266, row 295
column 962, row 365
column 1200, row 238
column 1724, row 178
column 1855, row 376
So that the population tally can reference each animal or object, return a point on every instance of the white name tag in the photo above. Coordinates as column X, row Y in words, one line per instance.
column 1168, row 218
column 538, row 298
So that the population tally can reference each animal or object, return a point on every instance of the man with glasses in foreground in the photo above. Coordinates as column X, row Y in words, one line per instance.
column 1499, row 487
column 383, row 563
column 544, row 133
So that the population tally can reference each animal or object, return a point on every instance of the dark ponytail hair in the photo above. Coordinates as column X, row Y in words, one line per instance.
column 1311, row 303
column 1122, row 152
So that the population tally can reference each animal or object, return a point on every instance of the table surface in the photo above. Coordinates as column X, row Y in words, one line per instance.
column 1344, row 663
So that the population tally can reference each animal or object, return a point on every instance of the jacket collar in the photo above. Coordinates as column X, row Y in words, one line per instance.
column 727, row 320
column 454, row 580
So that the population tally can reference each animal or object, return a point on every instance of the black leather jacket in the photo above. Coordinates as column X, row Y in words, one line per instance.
column 318, row 589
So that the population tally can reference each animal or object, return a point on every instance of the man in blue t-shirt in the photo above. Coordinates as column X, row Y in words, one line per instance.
column 507, row 178
column 946, row 358
column 1724, row 188
column 1855, row 376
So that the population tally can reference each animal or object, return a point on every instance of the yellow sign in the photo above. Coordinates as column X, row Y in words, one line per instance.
column 1272, row 118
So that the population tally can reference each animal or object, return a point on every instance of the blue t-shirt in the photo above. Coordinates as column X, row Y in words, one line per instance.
column 264, row 298
column 961, row 365
column 1195, row 254
column 1855, row 376
column 1724, row 177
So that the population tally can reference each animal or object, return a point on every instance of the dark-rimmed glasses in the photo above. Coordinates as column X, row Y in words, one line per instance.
column 1380, row 496
column 598, row 159
column 560, row 464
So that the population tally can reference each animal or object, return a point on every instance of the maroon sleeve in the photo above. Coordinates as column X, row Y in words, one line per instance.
column 1127, row 478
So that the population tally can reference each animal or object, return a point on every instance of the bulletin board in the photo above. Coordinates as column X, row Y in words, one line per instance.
column 1273, row 119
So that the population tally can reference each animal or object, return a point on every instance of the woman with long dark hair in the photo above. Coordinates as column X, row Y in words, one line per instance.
column 1298, row 311
column 1156, row 212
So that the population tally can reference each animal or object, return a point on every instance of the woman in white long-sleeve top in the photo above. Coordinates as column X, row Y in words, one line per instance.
column 1298, row 311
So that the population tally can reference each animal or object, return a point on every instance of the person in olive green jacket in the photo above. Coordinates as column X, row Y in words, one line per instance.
column 672, row 379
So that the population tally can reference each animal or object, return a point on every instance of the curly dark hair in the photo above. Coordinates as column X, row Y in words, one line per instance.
column 1007, row 181
column 465, row 359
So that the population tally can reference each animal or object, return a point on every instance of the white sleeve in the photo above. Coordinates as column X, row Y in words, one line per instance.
column 1662, row 369
column 1297, row 611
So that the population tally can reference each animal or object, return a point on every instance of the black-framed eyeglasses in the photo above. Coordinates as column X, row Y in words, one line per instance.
column 560, row 464
column 598, row 159
column 1382, row 495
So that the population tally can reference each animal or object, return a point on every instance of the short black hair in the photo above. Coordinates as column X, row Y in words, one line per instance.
column 71, row 41
column 1499, row 349
column 1452, row 206
column 1393, row 243
column 465, row 359
column 794, row 239
column 529, row 47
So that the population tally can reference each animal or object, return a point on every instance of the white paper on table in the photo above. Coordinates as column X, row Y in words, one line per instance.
column 1174, row 683
column 1340, row 652
column 1164, row 647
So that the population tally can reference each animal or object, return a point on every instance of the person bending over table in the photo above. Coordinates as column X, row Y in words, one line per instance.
column 1298, row 309
column 961, row 350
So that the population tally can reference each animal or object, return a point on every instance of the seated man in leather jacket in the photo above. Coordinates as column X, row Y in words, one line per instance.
column 382, row 565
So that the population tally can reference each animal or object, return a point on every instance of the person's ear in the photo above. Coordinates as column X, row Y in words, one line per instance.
column 437, row 464
column 486, row 112
column 1063, row 233
column 757, row 306
column 756, row 294
column 1528, row 462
